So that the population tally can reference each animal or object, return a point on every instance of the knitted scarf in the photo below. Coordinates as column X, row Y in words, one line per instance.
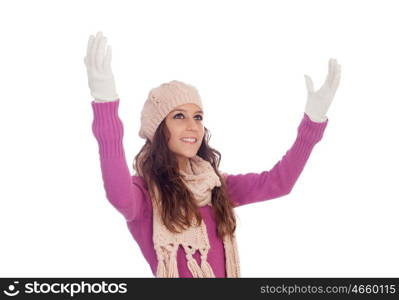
column 200, row 180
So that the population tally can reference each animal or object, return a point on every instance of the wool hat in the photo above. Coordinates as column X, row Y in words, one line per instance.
column 161, row 101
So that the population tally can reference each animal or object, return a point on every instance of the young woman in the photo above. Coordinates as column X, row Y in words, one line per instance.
column 178, row 206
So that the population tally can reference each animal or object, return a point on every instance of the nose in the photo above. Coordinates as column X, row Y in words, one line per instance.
column 191, row 123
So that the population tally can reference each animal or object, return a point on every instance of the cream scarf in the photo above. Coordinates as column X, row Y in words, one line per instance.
column 201, row 179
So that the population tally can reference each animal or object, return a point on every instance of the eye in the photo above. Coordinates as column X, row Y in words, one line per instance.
column 180, row 114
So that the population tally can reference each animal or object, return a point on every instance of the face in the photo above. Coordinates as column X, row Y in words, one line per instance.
column 185, row 121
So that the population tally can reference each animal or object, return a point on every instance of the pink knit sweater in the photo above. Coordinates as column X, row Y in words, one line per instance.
column 129, row 194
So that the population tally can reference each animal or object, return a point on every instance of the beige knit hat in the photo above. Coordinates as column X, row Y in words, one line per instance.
column 161, row 101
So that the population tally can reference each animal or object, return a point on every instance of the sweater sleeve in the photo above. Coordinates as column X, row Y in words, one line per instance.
column 121, row 190
column 279, row 181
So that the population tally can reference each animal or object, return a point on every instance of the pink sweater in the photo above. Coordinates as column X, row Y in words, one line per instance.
column 129, row 194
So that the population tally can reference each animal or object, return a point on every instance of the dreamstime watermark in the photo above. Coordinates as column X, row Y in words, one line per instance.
column 36, row 287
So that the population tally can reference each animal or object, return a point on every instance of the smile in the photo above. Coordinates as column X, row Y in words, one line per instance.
column 189, row 140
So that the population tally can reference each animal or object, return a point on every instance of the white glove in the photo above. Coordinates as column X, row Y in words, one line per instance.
column 318, row 102
column 100, row 78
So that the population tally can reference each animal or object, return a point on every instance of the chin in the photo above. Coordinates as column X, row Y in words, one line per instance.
column 188, row 154
column 185, row 152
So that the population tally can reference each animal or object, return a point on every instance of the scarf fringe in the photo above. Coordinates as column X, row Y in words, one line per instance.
column 205, row 266
column 207, row 269
column 167, row 266
column 161, row 268
column 203, row 271
column 173, row 271
column 194, row 268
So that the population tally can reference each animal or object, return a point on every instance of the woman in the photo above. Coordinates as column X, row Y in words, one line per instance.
column 178, row 206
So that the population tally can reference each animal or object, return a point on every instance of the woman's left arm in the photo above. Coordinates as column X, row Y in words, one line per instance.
column 279, row 181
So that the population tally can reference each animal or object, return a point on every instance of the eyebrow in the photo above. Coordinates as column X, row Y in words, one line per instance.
column 199, row 111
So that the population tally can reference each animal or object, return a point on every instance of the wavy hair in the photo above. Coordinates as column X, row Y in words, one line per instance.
column 159, row 168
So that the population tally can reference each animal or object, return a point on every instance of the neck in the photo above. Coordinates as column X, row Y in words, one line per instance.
column 184, row 164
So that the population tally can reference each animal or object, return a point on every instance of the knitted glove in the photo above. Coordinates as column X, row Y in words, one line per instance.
column 100, row 78
column 319, row 101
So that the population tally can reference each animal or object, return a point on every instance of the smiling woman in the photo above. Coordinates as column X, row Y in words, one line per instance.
column 190, row 204
column 179, row 206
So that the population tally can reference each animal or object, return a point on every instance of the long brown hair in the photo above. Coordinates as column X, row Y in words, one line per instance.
column 159, row 167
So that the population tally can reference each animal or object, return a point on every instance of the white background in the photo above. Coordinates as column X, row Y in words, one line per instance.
column 248, row 60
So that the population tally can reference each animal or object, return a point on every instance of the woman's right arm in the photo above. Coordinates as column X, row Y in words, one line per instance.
column 124, row 194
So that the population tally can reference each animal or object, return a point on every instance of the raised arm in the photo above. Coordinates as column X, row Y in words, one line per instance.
column 279, row 181
column 122, row 192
